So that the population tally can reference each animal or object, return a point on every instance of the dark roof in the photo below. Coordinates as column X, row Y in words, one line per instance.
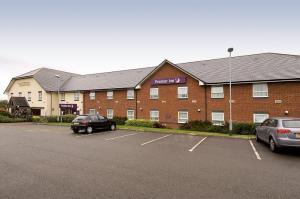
column 18, row 101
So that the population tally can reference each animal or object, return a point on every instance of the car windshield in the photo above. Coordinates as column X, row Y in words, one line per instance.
column 291, row 123
column 81, row 117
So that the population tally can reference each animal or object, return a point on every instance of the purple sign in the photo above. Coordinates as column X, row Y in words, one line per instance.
column 70, row 106
column 171, row 80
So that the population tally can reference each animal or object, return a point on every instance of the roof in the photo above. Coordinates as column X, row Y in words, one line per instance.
column 18, row 101
column 109, row 80
column 248, row 68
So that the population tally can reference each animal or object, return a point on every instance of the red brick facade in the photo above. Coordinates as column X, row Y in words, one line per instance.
column 199, row 103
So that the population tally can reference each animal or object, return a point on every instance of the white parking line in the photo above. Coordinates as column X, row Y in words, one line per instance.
column 122, row 136
column 192, row 149
column 155, row 139
column 255, row 151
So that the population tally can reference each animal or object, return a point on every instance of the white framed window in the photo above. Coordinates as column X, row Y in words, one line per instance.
column 29, row 96
column 154, row 93
column 40, row 95
column 217, row 118
column 62, row 97
column 182, row 92
column 92, row 95
column 260, row 117
column 130, row 94
column 183, row 117
column 20, row 94
column 130, row 114
column 217, row 92
column 110, row 113
column 154, row 115
column 260, row 90
column 92, row 112
column 76, row 96
column 110, row 95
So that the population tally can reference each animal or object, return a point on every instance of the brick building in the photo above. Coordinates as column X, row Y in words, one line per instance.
column 263, row 85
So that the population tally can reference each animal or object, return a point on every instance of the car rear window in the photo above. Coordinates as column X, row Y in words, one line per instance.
column 291, row 123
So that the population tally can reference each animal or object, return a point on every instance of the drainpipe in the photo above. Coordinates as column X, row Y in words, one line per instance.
column 205, row 102
column 136, row 111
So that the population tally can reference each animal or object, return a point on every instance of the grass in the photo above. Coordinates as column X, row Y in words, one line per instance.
column 172, row 131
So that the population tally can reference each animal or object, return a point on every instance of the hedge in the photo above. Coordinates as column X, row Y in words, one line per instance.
column 5, row 113
column 144, row 123
column 4, row 119
column 64, row 118
column 119, row 120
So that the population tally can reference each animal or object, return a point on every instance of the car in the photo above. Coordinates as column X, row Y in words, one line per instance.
column 91, row 123
column 279, row 132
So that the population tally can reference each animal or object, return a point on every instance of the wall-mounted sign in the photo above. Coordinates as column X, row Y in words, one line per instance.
column 24, row 84
column 171, row 80
column 71, row 106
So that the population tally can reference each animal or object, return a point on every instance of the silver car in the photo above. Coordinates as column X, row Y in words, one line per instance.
column 279, row 132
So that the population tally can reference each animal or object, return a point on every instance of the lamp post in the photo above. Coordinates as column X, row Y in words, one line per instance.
column 58, row 78
column 230, row 50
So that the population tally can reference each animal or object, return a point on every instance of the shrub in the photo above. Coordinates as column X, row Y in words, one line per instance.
column 119, row 120
column 4, row 119
column 140, row 122
column 68, row 118
column 158, row 125
column 243, row 128
column 196, row 125
column 51, row 118
column 5, row 113
column 36, row 119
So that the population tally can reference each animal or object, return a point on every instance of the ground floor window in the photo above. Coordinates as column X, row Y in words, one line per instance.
column 260, row 117
column 183, row 117
column 217, row 118
column 110, row 113
column 154, row 115
column 130, row 114
column 92, row 112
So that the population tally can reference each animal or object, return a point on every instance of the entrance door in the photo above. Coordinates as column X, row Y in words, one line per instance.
column 36, row 112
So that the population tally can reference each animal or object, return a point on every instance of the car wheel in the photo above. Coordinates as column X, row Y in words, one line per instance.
column 112, row 127
column 273, row 146
column 257, row 138
column 75, row 131
column 89, row 129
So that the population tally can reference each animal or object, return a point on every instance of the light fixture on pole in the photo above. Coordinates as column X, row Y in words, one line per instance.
column 230, row 50
column 58, row 115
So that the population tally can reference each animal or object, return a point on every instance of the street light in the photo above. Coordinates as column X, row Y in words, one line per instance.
column 58, row 78
column 230, row 50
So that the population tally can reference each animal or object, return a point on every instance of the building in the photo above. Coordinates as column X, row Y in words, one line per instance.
column 263, row 85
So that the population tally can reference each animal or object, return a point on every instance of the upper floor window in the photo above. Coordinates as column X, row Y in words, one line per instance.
column 110, row 113
column 154, row 115
column 183, row 117
column 20, row 94
column 130, row 94
column 217, row 92
column 92, row 112
column 130, row 114
column 110, row 95
column 217, row 118
column 29, row 96
column 260, row 90
column 76, row 96
column 40, row 95
column 92, row 95
column 182, row 92
column 260, row 117
column 62, row 97
column 154, row 93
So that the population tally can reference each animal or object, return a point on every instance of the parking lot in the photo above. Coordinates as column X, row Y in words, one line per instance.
column 39, row 161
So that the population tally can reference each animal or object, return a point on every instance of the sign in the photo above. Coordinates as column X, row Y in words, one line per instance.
column 71, row 106
column 171, row 80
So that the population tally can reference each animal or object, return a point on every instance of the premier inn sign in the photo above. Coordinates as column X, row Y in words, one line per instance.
column 171, row 80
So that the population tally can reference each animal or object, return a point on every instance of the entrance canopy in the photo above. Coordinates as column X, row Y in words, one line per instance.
column 18, row 102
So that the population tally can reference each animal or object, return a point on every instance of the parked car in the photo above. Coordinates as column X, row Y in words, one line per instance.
column 279, row 132
column 91, row 123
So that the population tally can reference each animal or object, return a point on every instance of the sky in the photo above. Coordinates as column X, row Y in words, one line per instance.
column 89, row 36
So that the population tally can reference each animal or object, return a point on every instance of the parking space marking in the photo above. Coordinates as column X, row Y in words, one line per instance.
column 254, row 150
column 122, row 136
column 192, row 149
column 155, row 139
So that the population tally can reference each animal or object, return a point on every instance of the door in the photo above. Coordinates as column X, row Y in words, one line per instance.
column 94, row 121
column 103, row 122
column 262, row 130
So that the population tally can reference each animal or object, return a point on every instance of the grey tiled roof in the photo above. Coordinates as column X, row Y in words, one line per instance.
column 249, row 68
column 108, row 80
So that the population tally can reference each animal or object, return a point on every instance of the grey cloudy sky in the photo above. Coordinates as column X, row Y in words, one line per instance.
column 88, row 36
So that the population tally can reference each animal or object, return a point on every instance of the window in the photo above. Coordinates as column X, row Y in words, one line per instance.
column 92, row 112
column 183, row 117
column 40, row 95
column 130, row 114
column 217, row 92
column 76, row 96
column 154, row 115
column 217, row 118
column 29, row 96
column 110, row 113
column 182, row 92
column 20, row 94
column 92, row 95
column 62, row 97
column 110, row 94
column 260, row 117
column 130, row 94
column 260, row 90
column 153, row 93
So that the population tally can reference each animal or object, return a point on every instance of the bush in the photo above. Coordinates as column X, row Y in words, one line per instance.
column 51, row 118
column 140, row 122
column 4, row 119
column 5, row 113
column 196, row 125
column 36, row 119
column 243, row 128
column 119, row 120
column 68, row 118
column 158, row 125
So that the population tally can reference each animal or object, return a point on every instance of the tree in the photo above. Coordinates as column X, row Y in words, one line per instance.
column 3, row 104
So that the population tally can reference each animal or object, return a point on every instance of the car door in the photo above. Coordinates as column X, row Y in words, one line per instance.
column 94, row 121
column 271, row 128
column 263, row 130
column 102, row 122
